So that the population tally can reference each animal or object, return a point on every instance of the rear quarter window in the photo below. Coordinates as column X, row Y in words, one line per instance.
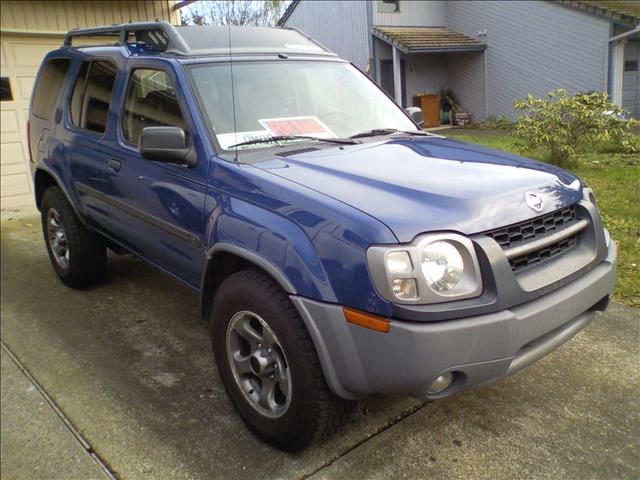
column 48, row 86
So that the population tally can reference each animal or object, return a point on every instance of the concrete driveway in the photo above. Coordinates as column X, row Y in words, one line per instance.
column 118, row 380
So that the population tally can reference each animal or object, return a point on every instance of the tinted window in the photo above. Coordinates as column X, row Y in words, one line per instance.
column 92, row 95
column 48, row 87
column 7, row 96
column 150, row 102
column 78, row 92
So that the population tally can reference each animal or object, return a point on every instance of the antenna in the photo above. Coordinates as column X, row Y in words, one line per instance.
column 233, row 97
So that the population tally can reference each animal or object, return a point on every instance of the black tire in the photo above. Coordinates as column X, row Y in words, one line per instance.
column 314, row 412
column 86, row 260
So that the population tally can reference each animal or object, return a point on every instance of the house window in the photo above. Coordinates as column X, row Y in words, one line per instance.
column 388, row 6
column 7, row 96
column 631, row 66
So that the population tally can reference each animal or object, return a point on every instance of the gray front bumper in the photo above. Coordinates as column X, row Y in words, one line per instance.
column 357, row 361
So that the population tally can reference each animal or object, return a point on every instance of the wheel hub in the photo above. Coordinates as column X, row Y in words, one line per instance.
column 258, row 364
column 261, row 362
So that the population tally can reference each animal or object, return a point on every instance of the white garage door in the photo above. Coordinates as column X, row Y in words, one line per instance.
column 21, row 57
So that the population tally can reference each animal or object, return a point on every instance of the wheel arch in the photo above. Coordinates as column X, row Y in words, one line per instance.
column 44, row 178
column 223, row 260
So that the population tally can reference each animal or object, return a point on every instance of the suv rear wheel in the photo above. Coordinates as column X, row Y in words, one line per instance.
column 79, row 257
column 268, row 364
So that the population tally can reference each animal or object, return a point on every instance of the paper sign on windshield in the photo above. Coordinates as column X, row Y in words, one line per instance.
column 309, row 126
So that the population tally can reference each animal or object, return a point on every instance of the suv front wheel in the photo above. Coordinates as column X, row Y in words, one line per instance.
column 268, row 364
column 78, row 256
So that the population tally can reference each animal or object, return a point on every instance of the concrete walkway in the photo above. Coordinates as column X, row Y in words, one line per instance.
column 35, row 442
column 128, row 364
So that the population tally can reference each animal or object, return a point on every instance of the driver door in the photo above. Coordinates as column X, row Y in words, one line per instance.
column 164, row 207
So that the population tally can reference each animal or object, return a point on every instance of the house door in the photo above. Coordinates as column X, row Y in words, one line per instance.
column 386, row 79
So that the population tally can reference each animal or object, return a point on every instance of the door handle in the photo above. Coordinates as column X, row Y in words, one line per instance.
column 114, row 164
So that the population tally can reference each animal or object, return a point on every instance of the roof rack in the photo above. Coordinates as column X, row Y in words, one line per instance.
column 159, row 36
column 207, row 40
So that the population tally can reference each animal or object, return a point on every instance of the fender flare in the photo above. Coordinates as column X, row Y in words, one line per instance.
column 328, row 367
column 256, row 259
column 60, row 185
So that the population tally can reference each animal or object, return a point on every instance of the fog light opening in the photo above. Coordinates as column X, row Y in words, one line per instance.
column 440, row 384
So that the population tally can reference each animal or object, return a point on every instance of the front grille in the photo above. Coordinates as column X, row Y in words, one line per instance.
column 525, row 232
column 539, row 256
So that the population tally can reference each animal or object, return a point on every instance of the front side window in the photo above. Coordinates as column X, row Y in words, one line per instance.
column 91, row 95
column 150, row 102
column 48, row 86
column 294, row 98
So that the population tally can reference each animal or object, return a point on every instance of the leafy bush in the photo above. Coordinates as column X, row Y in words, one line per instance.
column 563, row 123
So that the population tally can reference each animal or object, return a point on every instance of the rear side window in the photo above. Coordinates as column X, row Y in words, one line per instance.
column 48, row 87
column 150, row 102
column 91, row 95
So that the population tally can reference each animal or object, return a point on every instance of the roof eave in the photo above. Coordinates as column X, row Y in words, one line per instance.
column 603, row 12
column 287, row 13
column 407, row 50
column 391, row 41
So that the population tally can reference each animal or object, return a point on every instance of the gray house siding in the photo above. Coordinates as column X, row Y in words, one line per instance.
column 466, row 78
column 533, row 47
column 413, row 13
column 342, row 27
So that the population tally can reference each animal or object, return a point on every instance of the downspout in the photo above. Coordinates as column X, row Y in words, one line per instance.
column 616, row 45
column 486, row 85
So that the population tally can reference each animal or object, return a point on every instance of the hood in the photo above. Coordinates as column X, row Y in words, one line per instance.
column 430, row 183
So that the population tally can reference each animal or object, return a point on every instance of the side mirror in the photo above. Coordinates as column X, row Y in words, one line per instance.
column 416, row 115
column 166, row 144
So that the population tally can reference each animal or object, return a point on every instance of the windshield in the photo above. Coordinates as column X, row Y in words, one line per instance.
column 291, row 98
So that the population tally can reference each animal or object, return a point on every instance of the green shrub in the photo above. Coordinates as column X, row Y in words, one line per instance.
column 563, row 123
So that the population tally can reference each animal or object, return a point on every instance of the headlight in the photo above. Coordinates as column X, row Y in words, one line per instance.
column 442, row 265
column 435, row 268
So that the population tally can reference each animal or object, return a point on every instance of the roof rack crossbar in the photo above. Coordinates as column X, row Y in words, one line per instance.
column 147, row 32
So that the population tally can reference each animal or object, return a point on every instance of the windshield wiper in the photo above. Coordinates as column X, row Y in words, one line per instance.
column 283, row 138
column 376, row 132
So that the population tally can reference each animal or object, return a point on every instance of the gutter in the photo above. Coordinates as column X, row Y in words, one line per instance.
column 625, row 34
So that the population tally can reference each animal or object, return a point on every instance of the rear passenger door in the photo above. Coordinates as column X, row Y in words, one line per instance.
column 86, row 144
column 164, row 201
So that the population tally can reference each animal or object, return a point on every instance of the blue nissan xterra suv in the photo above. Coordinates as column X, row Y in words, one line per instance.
column 339, row 251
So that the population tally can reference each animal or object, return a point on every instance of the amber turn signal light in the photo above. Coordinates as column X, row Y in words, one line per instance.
column 367, row 321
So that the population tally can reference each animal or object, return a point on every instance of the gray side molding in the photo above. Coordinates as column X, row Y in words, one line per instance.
column 256, row 259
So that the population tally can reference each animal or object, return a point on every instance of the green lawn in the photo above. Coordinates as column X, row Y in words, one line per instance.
column 615, row 178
